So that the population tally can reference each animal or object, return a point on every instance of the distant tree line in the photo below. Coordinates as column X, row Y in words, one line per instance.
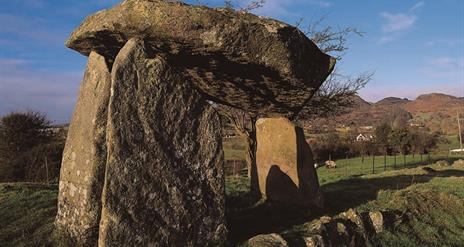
column 386, row 140
column 30, row 149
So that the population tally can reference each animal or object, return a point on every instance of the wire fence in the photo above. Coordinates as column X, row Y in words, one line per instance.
column 376, row 164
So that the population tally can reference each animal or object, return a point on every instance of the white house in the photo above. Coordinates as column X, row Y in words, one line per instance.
column 364, row 137
column 457, row 150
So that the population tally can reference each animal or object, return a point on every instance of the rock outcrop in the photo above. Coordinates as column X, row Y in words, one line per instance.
column 163, row 171
column 377, row 221
column 458, row 163
column 164, row 183
column 267, row 240
column 349, row 228
column 285, row 164
column 253, row 63
column 84, row 157
column 443, row 163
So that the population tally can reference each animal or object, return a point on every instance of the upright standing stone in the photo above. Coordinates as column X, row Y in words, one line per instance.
column 164, row 183
column 84, row 157
column 285, row 164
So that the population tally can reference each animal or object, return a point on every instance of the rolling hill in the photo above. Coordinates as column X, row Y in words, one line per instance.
column 435, row 111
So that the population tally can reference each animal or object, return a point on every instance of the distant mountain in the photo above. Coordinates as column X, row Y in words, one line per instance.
column 436, row 111
column 389, row 101
column 360, row 102
column 434, row 103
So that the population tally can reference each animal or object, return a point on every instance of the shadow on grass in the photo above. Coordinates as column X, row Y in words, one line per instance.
column 339, row 196
column 380, row 167
column 345, row 194
column 425, row 162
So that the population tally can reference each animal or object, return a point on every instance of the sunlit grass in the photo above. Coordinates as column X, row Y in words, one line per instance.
column 27, row 213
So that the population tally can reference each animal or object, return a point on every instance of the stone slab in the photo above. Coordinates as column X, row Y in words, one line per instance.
column 254, row 63
column 285, row 164
column 164, row 182
column 84, row 157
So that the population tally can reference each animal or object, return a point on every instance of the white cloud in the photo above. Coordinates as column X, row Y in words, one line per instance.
column 396, row 24
column 447, row 62
column 448, row 42
column 320, row 3
column 6, row 42
column 445, row 69
column 52, row 92
column 34, row 3
column 388, row 38
column 279, row 8
column 417, row 6
column 32, row 28
column 6, row 64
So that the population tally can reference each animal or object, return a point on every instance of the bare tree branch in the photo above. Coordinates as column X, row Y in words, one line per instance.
column 334, row 97
column 249, row 7
column 338, row 92
column 254, row 5
column 329, row 40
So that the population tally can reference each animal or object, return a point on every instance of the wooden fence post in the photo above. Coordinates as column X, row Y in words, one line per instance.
column 346, row 164
column 385, row 162
column 46, row 169
column 373, row 164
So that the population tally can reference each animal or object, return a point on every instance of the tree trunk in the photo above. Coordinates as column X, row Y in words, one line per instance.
column 385, row 161
column 46, row 169
column 346, row 165
column 373, row 164
column 250, row 156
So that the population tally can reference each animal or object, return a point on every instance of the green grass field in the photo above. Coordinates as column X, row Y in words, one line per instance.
column 372, row 165
column 434, row 201
column 27, row 213
column 453, row 143
column 234, row 148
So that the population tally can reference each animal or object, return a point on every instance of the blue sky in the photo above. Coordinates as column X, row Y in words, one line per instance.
column 414, row 46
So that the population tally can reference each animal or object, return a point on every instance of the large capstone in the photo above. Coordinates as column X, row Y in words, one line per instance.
column 164, row 183
column 84, row 157
column 254, row 63
column 285, row 164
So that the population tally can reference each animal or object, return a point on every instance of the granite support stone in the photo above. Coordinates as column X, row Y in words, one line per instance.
column 84, row 157
column 164, row 183
column 285, row 164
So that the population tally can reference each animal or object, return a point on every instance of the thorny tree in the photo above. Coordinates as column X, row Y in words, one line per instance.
column 244, row 124
column 331, row 99
column 338, row 92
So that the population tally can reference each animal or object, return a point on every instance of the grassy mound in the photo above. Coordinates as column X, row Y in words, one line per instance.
column 434, row 214
column 27, row 212
column 431, row 199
